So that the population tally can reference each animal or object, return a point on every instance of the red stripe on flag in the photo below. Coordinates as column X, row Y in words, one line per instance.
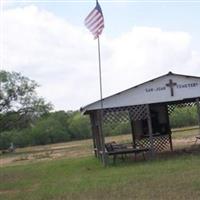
column 95, row 21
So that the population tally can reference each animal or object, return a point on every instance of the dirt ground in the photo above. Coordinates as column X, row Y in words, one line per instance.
column 47, row 152
column 183, row 139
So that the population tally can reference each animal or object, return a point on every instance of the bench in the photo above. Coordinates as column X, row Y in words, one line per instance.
column 113, row 149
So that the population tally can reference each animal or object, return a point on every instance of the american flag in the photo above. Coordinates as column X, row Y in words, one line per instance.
column 95, row 21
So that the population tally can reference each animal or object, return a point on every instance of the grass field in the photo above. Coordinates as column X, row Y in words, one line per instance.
column 36, row 173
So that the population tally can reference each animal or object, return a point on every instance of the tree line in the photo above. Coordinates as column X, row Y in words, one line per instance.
column 27, row 119
column 52, row 128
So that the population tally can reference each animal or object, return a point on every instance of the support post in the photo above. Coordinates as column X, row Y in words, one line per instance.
column 198, row 112
column 150, row 131
column 133, row 133
column 101, row 137
column 94, row 134
column 169, row 128
column 97, row 133
column 170, row 140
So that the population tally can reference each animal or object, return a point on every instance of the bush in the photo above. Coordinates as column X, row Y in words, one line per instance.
column 182, row 117
column 117, row 128
column 48, row 131
column 79, row 126
column 22, row 138
column 5, row 139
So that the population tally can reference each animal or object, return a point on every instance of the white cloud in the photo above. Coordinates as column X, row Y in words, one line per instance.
column 63, row 58
column 144, row 53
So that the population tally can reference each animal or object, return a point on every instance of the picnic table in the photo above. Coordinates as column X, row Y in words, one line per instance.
column 113, row 149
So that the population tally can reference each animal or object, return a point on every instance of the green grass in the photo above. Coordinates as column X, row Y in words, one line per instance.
column 76, row 175
column 177, row 177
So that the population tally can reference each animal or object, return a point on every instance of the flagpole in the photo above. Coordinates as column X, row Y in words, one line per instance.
column 101, row 102
column 101, row 108
column 95, row 23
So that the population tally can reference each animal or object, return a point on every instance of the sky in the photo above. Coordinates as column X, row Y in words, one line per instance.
column 47, row 41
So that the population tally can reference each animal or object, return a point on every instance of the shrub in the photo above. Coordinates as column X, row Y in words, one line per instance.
column 48, row 131
column 182, row 117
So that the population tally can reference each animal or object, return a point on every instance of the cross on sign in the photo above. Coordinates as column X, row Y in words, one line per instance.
column 171, row 84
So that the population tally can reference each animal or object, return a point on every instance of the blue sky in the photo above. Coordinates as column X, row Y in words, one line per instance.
column 145, row 39
column 120, row 16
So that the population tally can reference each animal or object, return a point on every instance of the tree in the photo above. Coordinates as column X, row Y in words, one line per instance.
column 79, row 126
column 19, row 102
column 47, row 131
column 51, row 129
